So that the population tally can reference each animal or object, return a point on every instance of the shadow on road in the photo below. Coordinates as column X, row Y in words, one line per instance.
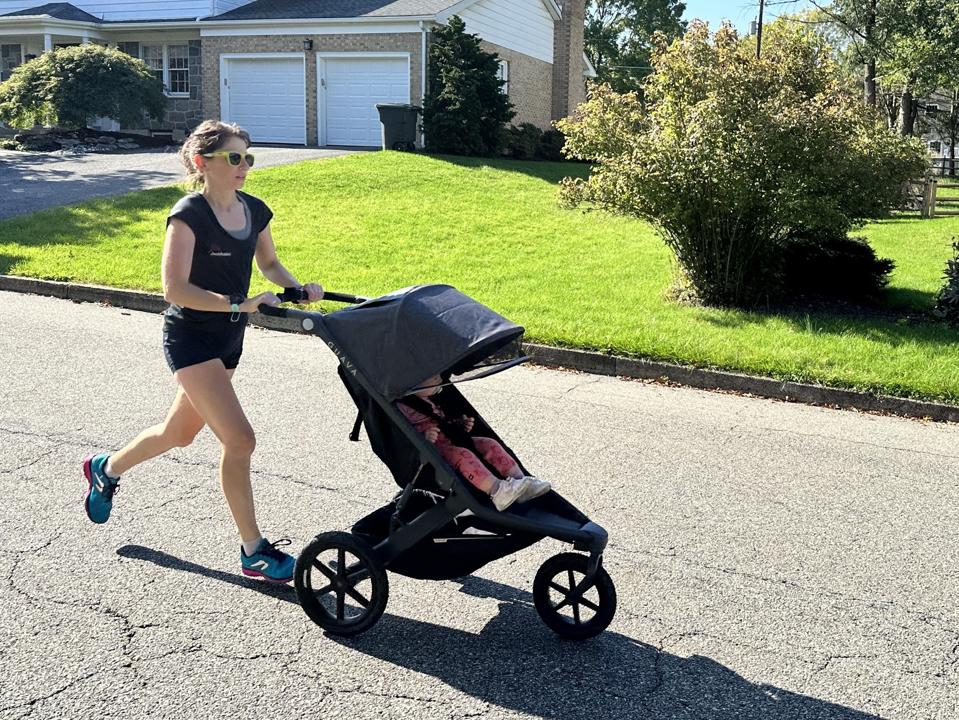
column 515, row 662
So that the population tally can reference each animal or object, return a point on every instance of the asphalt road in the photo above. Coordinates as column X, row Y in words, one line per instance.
column 34, row 181
column 771, row 560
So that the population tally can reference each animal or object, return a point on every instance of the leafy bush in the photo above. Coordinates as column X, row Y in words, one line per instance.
column 947, row 299
column 551, row 146
column 71, row 86
column 465, row 109
column 733, row 156
column 837, row 267
column 523, row 142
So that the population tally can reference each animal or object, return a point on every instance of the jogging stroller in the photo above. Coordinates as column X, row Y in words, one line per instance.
column 438, row 526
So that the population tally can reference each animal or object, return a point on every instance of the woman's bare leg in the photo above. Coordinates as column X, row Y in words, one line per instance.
column 211, row 394
column 179, row 429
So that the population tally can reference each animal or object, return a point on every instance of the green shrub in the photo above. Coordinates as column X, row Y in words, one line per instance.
column 731, row 156
column 836, row 267
column 551, row 146
column 71, row 86
column 523, row 142
column 947, row 299
column 465, row 109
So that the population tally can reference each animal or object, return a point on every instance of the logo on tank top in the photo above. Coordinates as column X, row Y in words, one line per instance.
column 217, row 251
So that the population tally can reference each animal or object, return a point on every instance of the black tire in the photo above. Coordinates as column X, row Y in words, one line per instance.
column 585, row 616
column 330, row 579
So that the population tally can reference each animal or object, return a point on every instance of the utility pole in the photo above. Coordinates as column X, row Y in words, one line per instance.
column 759, row 30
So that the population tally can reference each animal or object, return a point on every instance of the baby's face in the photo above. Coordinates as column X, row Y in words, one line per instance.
column 431, row 386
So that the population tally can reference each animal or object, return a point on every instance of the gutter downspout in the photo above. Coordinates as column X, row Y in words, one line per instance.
column 423, row 32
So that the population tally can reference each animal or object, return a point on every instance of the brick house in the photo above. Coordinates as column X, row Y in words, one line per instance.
column 310, row 72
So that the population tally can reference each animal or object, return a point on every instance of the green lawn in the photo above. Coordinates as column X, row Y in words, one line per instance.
column 374, row 222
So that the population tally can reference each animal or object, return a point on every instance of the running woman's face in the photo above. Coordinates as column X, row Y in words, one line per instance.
column 217, row 171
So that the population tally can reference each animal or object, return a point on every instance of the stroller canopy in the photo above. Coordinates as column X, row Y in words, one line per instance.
column 399, row 340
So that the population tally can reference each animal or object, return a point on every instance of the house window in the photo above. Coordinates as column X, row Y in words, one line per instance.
column 170, row 64
column 179, row 69
column 503, row 75
column 935, row 146
column 10, row 57
column 153, row 57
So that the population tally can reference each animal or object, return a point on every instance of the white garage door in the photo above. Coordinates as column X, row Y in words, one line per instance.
column 352, row 90
column 267, row 97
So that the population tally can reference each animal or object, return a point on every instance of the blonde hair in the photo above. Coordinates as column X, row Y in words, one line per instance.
column 209, row 136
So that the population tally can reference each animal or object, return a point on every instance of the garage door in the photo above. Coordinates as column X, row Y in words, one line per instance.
column 352, row 89
column 267, row 97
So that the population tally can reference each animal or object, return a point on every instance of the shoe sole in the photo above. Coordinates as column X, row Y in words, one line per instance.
column 88, row 474
column 267, row 578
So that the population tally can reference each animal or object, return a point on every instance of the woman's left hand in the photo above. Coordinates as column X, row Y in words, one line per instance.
column 314, row 292
column 467, row 423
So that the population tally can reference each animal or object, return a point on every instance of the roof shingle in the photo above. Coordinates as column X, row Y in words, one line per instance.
column 61, row 11
column 297, row 9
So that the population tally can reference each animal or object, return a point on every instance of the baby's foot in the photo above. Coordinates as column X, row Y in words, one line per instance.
column 534, row 488
column 508, row 491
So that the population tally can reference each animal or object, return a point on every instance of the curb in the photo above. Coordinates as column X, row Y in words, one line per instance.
column 595, row 363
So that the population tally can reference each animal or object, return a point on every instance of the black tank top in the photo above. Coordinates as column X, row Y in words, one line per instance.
column 222, row 263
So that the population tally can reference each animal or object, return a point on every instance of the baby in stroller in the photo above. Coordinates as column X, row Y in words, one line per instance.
column 507, row 485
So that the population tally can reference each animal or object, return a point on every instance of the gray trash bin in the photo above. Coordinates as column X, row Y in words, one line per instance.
column 399, row 125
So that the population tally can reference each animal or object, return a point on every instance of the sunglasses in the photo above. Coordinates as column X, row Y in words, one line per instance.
column 234, row 158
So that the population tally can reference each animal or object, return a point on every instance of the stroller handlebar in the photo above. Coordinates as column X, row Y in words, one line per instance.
column 295, row 294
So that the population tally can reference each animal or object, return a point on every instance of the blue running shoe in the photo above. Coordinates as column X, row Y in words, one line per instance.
column 268, row 562
column 100, row 488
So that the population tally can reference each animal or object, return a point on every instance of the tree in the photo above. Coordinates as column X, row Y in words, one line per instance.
column 71, row 86
column 911, row 46
column 732, row 157
column 619, row 37
column 465, row 109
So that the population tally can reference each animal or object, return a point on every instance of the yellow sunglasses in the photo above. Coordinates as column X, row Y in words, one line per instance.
column 234, row 158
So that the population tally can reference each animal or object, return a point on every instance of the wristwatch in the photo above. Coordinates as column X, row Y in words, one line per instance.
column 235, row 302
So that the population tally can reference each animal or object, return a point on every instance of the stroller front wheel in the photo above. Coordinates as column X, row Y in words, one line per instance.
column 339, row 583
column 570, row 611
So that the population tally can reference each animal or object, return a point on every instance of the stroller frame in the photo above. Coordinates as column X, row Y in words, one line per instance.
column 461, row 498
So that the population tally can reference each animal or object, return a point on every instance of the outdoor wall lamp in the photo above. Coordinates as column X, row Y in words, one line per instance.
column 308, row 44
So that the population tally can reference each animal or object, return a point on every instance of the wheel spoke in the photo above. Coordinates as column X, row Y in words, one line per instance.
column 576, row 618
column 330, row 575
column 559, row 606
column 341, row 563
column 322, row 591
column 340, row 605
column 355, row 578
column 355, row 594
column 559, row 588
column 590, row 604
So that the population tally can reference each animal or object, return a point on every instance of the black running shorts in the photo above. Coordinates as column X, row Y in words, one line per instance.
column 186, row 344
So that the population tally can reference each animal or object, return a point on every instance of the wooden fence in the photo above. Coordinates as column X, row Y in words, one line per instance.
column 937, row 193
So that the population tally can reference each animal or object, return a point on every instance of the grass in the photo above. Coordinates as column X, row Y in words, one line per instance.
column 372, row 223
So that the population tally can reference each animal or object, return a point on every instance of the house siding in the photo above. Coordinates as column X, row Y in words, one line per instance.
column 214, row 47
column 524, row 26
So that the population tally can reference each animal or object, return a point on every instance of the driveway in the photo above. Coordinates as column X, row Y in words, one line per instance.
column 772, row 561
column 34, row 181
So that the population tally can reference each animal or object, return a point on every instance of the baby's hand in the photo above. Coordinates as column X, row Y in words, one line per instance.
column 431, row 434
column 467, row 423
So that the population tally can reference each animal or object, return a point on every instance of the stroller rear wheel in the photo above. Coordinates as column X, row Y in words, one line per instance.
column 569, row 611
column 339, row 583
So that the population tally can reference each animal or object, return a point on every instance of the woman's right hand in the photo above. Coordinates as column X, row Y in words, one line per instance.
column 431, row 434
column 264, row 298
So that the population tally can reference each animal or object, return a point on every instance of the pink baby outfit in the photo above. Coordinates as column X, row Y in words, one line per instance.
column 465, row 461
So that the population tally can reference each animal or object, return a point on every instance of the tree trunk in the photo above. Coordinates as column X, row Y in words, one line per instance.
column 869, row 71
column 907, row 113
